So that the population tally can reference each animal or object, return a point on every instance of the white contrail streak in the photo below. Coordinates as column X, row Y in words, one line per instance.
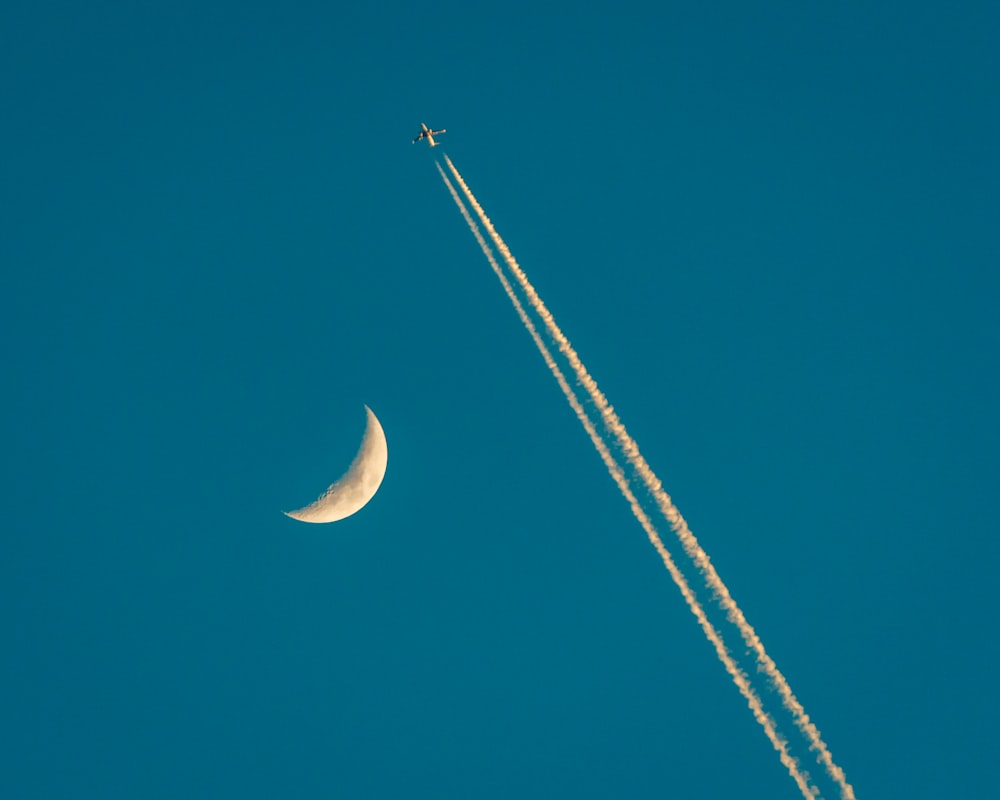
column 691, row 546
column 800, row 777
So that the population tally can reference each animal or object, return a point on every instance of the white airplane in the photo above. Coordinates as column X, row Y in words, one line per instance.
column 428, row 134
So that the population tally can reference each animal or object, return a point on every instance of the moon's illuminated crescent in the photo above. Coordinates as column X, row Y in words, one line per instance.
column 358, row 485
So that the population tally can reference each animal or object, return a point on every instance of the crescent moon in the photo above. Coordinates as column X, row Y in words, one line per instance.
column 358, row 485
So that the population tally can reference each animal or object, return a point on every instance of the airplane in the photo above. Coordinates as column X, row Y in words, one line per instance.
column 428, row 134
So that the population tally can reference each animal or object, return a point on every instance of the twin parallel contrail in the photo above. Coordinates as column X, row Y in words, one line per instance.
column 618, row 475
column 692, row 548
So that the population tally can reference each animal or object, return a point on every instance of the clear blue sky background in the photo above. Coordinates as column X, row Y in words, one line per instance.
column 771, row 233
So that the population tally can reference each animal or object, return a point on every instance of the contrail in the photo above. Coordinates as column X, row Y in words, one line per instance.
column 800, row 777
column 680, row 527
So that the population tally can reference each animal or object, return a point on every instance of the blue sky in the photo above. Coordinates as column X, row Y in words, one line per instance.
column 769, row 232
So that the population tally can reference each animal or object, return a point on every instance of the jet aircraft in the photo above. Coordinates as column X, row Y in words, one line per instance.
column 428, row 134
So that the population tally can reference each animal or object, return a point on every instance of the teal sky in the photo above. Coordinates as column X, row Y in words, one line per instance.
column 771, row 234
